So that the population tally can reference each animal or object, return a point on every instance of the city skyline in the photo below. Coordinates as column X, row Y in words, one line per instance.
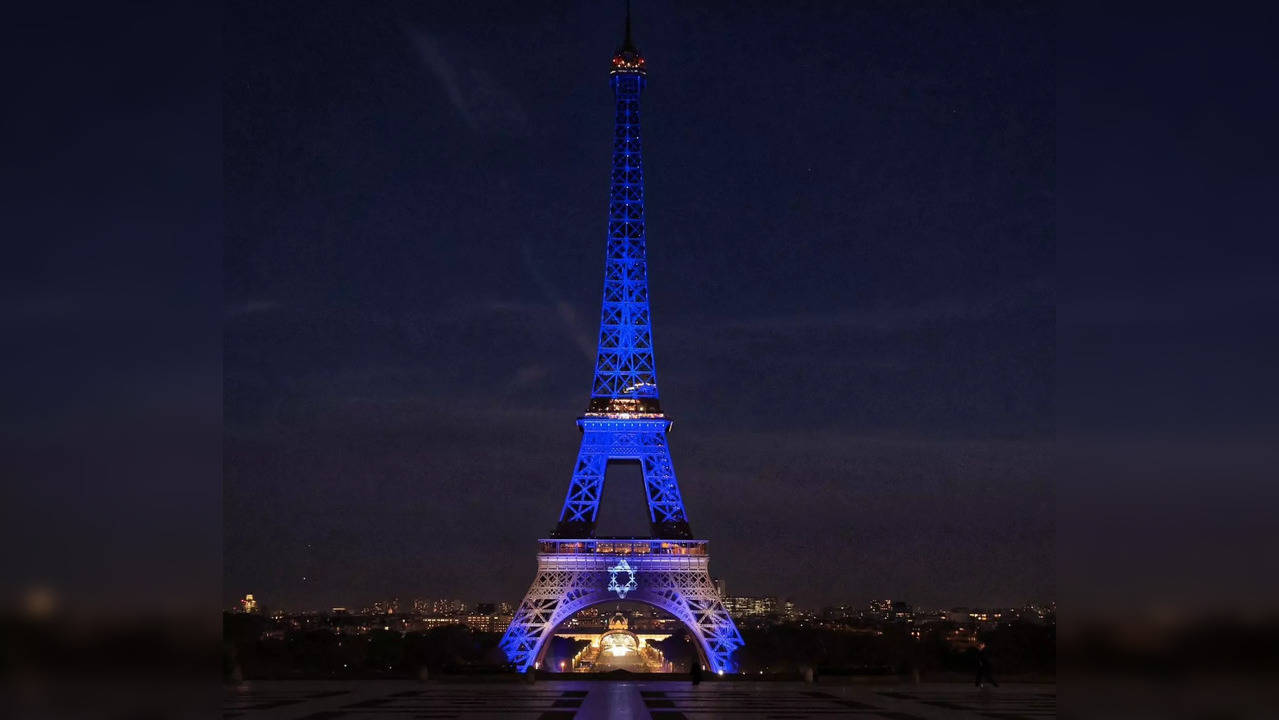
column 852, row 287
column 409, row 604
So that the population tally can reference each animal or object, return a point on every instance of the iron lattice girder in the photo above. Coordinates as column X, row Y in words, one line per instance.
column 624, row 363
column 605, row 439
column 624, row 422
column 569, row 582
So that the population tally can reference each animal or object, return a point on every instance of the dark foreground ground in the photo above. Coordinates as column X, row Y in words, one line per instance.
column 631, row 700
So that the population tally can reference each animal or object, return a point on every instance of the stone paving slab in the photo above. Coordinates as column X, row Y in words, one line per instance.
column 630, row 700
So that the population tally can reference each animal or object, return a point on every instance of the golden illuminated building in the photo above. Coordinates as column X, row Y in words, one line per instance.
column 619, row 648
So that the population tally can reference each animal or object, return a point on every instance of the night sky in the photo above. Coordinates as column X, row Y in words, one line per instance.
column 851, row 246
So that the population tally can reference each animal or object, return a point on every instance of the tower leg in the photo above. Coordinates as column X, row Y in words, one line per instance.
column 665, row 505
column 550, row 600
column 582, row 504
column 606, row 439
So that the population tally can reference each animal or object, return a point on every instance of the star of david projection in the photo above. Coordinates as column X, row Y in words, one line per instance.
column 621, row 589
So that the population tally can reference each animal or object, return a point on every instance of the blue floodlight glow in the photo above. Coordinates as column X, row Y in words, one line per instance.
column 623, row 421
column 621, row 589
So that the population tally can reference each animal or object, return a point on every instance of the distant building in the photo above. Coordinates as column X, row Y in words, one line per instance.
column 591, row 617
column 617, row 648
column 435, row 621
column 248, row 604
column 488, row 622
column 447, row 606
column 435, row 607
column 750, row 607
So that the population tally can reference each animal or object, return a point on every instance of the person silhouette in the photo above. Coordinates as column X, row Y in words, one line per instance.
column 985, row 671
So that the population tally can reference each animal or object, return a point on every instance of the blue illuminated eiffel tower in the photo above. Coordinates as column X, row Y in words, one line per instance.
column 624, row 422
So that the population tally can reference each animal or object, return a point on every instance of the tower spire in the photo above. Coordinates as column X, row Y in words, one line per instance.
column 628, row 59
column 628, row 44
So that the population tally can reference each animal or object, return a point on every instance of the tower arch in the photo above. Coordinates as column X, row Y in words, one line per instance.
column 669, row 575
column 701, row 645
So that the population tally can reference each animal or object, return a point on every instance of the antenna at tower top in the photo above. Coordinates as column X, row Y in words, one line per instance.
column 627, row 44
column 628, row 59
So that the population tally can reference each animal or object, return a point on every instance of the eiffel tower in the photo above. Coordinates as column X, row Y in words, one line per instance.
column 624, row 422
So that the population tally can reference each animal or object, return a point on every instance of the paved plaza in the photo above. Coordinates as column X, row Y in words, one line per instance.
column 631, row 700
